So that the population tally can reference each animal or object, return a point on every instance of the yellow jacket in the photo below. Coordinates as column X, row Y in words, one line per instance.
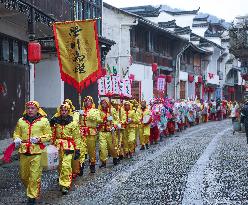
column 67, row 137
column 125, row 115
column 146, row 127
column 106, row 125
column 89, row 121
column 25, row 130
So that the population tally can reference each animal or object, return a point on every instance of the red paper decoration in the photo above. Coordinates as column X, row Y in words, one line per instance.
column 154, row 67
column 200, row 79
column 191, row 78
column 168, row 78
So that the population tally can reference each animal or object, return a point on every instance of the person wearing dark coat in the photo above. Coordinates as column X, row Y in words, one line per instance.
column 244, row 117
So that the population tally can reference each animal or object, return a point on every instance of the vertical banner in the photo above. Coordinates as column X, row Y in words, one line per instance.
column 101, row 86
column 161, row 84
column 78, row 52
column 115, row 82
column 122, row 87
column 108, row 85
column 128, row 91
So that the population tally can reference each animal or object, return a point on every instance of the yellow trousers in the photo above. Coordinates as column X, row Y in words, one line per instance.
column 91, row 147
column 119, row 143
column 129, row 140
column 76, row 164
column 107, row 145
column 144, row 139
column 30, row 173
column 65, row 169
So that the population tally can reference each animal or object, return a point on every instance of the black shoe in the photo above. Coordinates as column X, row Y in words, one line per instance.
column 92, row 169
column 103, row 165
column 65, row 190
column 142, row 147
column 81, row 170
column 121, row 157
column 31, row 201
column 115, row 161
column 147, row 146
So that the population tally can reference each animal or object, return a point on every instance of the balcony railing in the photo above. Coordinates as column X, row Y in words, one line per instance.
column 149, row 58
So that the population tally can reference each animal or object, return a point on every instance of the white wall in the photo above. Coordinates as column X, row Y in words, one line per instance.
column 199, row 31
column 181, row 20
column 144, row 74
column 112, row 19
column 48, row 87
column 216, row 40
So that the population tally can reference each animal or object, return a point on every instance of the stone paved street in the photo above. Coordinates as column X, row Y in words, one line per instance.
column 206, row 164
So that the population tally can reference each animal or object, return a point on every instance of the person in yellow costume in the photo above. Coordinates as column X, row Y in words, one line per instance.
column 78, row 165
column 89, row 120
column 66, row 138
column 117, row 113
column 129, row 122
column 31, row 131
column 135, row 106
column 75, row 113
column 107, row 137
column 145, row 121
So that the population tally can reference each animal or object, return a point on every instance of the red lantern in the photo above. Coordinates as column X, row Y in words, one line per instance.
column 231, row 89
column 132, row 77
column 200, row 79
column 34, row 52
column 205, row 89
column 191, row 78
column 245, row 77
column 168, row 78
column 154, row 67
column 210, row 90
column 103, row 72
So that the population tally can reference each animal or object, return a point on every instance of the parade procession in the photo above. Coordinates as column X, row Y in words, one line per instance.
column 136, row 105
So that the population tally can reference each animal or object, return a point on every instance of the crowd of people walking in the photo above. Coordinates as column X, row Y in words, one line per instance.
column 118, row 127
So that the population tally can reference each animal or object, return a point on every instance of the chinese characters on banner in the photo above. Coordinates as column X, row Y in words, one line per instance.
column 101, row 86
column 78, row 52
column 113, row 85
column 127, row 88
column 108, row 85
column 115, row 81
column 161, row 84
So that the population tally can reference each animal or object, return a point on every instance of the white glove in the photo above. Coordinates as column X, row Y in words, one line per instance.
column 81, row 112
column 130, row 120
column 110, row 118
column 17, row 142
column 112, row 129
column 119, row 126
column 34, row 140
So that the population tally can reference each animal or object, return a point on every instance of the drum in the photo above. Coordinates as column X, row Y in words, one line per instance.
column 146, row 119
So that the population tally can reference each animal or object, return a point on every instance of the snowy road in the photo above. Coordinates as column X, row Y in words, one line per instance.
column 206, row 164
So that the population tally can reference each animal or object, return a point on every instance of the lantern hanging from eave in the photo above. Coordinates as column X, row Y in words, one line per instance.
column 168, row 78
column 245, row 77
column 191, row 78
column 210, row 89
column 200, row 80
column 154, row 67
column 34, row 52
column 231, row 89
